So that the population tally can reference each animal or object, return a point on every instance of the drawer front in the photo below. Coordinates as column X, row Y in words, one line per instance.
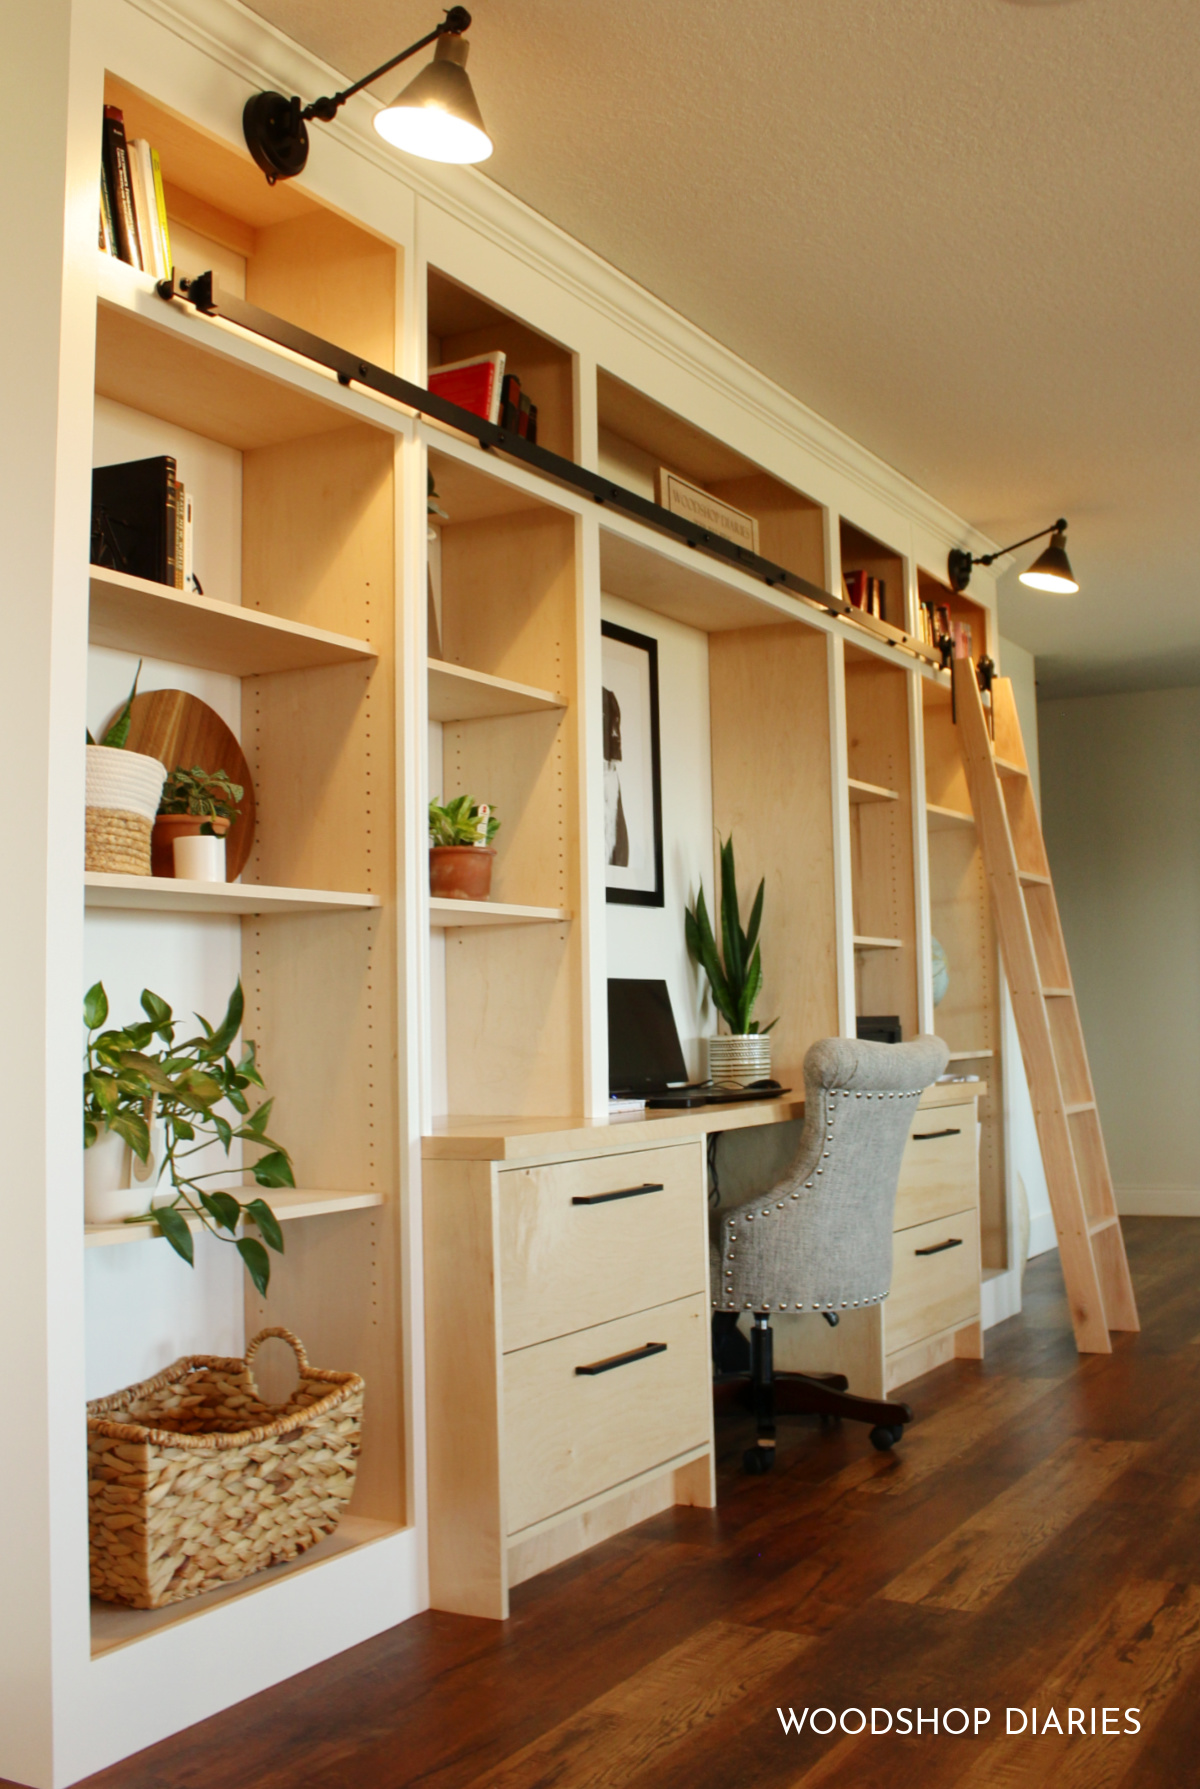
column 939, row 1172
column 583, row 1242
column 570, row 1435
column 933, row 1291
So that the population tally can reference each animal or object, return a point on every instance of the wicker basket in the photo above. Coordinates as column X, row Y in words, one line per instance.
column 194, row 1481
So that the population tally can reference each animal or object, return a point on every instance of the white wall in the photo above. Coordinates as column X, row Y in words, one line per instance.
column 1024, row 1151
column 144, row 1306
column 649, row 941
column 1121, row 798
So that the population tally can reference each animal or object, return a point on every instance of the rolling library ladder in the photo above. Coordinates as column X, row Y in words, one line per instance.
column 1090, row 1243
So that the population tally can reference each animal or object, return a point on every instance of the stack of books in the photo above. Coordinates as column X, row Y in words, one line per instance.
column 142, row 522
column 866, row 593
column 517, row 412
column 935, row 623
column 482, row 386
column 133, row 208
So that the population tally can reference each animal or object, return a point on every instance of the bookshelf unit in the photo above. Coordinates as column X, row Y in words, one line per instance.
column 881, row 839
column 969, row 1016
column 381, row 1014
column 963, row 607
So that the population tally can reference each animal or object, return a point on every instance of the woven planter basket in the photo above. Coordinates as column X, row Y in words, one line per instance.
column 194, row 1481
column 123, row 791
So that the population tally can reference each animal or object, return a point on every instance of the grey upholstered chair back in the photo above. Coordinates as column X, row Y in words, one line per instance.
column 821, row 1240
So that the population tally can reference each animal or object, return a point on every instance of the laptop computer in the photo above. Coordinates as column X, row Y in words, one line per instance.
column 645, row 1057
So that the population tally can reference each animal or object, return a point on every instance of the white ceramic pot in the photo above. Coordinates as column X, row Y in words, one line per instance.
column 116, row 1183
column 739, row 1060
column 199, row 858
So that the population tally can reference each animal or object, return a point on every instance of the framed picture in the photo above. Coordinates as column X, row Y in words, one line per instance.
column 633, row 841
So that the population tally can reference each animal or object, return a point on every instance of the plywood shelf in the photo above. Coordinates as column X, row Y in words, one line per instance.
column 457, row 694
column 863, row 943
column 114, row 1626
column 167, row 361
column 135, row 615
column 941, row 819
column 860, row 791
column 169, row 894
column 286, row 1205
column 445, row 915
column 969, row 1055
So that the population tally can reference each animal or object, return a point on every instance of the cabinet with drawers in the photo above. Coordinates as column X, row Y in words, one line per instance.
column 567, row 1369
column 932, row 1313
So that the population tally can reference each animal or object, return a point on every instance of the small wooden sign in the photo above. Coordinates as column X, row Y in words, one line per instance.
column 707, row 511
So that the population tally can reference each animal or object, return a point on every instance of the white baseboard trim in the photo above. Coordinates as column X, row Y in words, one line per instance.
column 1158, row 1201
column 1042, row 1234
column 1000, row 1297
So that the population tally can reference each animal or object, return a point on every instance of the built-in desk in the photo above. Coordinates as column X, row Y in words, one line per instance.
column 567, row 1317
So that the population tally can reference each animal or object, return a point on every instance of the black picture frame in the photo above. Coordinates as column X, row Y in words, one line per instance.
column 634, row 728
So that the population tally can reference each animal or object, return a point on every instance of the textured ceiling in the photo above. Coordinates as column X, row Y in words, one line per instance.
column 965, row 231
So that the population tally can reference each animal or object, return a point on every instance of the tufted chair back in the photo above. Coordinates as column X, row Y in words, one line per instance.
column 821, row 1239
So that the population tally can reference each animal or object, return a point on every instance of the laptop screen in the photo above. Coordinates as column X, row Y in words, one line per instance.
column 644, row 1053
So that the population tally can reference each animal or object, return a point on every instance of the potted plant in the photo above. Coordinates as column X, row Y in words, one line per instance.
column 460, row 849
column 195, row 812
column 123, row 788
column 734, row 978
column 129, row 1088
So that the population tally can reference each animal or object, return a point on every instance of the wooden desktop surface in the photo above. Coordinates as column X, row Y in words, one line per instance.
column 520, row 1139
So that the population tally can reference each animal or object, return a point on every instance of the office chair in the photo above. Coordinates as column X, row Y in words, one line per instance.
column 821, row 1239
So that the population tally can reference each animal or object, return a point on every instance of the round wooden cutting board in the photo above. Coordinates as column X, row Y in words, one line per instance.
column 179, row 729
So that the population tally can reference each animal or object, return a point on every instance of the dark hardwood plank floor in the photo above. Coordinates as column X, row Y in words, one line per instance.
column 1034, row 1544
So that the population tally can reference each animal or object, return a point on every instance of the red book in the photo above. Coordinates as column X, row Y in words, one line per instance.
column 471, row 384
column 856, row 588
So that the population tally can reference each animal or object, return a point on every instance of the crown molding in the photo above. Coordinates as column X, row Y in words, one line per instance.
column 260, row 55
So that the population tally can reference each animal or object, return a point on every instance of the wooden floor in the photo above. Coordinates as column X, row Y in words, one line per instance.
column 1035, row 1542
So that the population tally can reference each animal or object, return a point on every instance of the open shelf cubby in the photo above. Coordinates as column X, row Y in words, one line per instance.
column 968, row 1015
column 881, row 843
column 977, row 616
column 861, row 552
column 640, row 439
column 504, row 712
column 462, row 323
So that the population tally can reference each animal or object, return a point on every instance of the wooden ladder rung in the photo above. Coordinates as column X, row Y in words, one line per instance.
column 1006, row 767
column 1083, row 1105
column 1030, row 879
column 1057, row 993
column 1098, row 1224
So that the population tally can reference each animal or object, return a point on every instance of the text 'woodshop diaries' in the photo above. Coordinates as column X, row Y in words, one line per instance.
column 955, row 1721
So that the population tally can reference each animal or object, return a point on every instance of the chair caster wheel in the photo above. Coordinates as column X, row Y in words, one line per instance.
column 758, row 1460
column 885, row 1438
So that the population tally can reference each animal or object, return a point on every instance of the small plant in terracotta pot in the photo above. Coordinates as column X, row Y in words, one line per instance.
column 460, row 849
column 195, row 803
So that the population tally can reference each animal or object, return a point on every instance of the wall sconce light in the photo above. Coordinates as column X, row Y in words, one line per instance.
column 436, row 116
column 1051, row 570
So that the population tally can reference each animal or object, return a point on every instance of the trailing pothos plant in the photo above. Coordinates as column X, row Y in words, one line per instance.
column 128, row 1082
column 735, row 972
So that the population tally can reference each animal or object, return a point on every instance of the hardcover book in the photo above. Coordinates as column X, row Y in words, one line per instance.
column 133, row 518
column 473, row 385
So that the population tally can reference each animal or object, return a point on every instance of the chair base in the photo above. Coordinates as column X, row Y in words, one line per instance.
column 826, row 1395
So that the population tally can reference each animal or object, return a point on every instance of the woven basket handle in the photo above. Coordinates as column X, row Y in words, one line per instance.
column 285, row 1335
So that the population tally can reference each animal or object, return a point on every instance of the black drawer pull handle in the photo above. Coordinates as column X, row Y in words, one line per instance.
column 955, row 1242
column 622, row 1360
column 928, row 1136
column 626, row 1192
